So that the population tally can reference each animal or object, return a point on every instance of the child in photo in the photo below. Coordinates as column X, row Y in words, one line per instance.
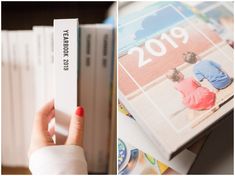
column 209, row 70
column 195, row 96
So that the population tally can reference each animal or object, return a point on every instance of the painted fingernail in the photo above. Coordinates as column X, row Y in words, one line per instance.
column 79, row 111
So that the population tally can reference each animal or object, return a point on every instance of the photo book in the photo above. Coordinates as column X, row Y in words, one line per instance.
column 175, row 75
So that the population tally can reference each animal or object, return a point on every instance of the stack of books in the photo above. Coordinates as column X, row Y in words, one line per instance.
column 156, row 116
column 69, row 62
column 20, row 69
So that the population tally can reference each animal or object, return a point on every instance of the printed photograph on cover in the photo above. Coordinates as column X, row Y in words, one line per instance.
column 174, row 74
column 220, row 17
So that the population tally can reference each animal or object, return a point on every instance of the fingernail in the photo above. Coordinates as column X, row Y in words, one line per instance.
column 79, row 111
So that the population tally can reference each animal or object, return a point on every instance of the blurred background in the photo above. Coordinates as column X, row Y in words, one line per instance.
column 23, row 16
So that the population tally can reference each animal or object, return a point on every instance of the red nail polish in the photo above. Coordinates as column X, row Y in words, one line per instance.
column 79, row 111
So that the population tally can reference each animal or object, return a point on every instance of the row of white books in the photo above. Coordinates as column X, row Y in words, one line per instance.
column 33, row 72
column 19, row 69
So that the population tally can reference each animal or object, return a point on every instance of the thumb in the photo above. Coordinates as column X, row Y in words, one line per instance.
column 76, row 128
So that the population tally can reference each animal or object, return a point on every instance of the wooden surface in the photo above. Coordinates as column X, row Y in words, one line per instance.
column 217, row 154
column 15, row 171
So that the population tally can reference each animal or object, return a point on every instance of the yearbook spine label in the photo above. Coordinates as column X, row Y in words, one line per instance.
column 65, row 62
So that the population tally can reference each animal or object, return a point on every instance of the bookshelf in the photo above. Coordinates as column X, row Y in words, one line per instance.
column 25, row 15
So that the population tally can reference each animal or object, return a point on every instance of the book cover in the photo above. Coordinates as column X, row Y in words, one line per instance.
column 66, row 71
column 219, row 15
column 153, row 70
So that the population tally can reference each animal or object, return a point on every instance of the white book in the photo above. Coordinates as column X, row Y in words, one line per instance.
column 65, row 59
column 6, row 105
column 48, row 62
column 87, row 87
column 16, row 97
column 4, row 110
column 102, row 95
column 25, row 53
column 38, row 38
column 19, row 50
column 30, row 78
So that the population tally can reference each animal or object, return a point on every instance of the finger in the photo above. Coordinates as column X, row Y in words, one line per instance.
column 40, row 135
column 51, row 127
column 44, row 115
column 51, row 115
column 47, row 108
column 76, row 128
column 52, row 131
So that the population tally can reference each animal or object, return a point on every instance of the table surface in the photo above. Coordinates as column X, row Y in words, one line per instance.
column 216, row 156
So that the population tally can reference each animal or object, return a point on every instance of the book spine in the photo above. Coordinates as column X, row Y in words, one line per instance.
column 102, row 95
column 7, row 125
column 49, row 61
column 19, row 51
column 87, row 86
column 113, row 121
column 29, row 63
column 38, row 33
column 65, row 62
column 16, row 98
column 24, row 52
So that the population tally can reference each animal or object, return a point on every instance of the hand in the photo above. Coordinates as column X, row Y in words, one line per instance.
column 42, row 134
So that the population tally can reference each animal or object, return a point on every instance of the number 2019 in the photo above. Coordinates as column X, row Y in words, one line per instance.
column 176, row 32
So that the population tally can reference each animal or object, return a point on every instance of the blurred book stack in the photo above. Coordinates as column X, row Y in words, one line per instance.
column 31, row 76
column 133, row 141
column 149, row 110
